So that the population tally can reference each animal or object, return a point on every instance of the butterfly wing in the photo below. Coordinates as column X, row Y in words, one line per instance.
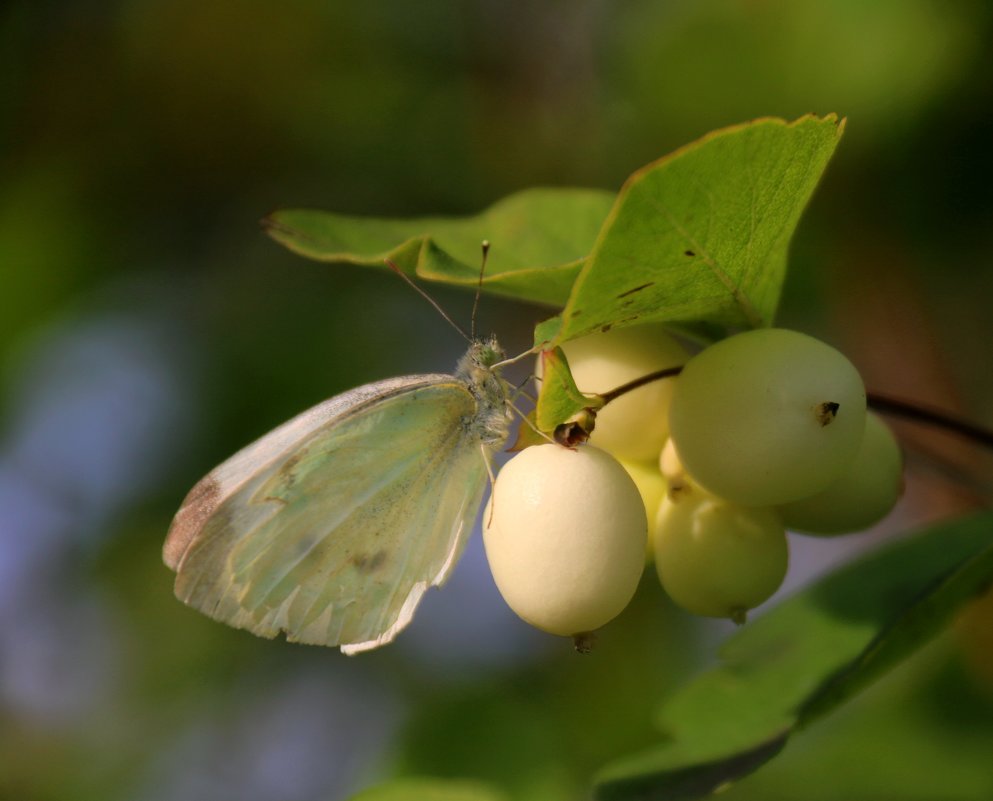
column 332, row 527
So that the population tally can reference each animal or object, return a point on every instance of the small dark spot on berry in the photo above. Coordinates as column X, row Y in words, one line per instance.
column 826, row 412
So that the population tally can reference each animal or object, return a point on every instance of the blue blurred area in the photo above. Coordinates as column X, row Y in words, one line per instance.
column 148, row 329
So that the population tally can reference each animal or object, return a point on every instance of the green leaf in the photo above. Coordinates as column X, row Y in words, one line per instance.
column 415, row 789
column 804, row 658
column 925, row 733
column 539, row 239
column 559, row 399
column 702, row 234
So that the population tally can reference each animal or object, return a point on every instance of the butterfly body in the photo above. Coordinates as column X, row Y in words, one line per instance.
column 331, row 527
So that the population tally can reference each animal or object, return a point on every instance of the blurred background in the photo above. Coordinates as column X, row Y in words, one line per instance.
column 148, row 329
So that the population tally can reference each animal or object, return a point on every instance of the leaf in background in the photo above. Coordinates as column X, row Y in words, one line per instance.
column 539, row 239
column 430, row 790
column 702, row 234
column 804, row 658
column 924, row 733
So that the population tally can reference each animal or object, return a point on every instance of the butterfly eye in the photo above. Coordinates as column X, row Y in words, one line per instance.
column 490, row 353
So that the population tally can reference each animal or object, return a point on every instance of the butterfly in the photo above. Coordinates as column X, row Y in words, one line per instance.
column 331, row 527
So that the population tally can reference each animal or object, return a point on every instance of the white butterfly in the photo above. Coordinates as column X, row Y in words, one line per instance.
column 331, row 527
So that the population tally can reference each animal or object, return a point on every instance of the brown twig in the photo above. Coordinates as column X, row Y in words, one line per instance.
column 623, row 389
column 925, row 415
column 884, row 404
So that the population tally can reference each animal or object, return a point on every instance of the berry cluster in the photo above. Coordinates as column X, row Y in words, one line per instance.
column 761, row 432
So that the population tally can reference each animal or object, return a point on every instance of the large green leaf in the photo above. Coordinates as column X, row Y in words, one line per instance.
column 926, row 733
column 559, row 399
column 804, row 658
column 417, row 789
column 539, row 239
column 702, row 234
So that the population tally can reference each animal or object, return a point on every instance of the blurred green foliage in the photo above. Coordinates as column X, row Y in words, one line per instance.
column 140, row 143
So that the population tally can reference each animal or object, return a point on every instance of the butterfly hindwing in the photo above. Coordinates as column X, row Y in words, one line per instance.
column 331, row 527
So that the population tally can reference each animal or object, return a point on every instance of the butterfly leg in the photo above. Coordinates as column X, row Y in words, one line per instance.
column 487, row 460
column 519, row 389
column 529, row 422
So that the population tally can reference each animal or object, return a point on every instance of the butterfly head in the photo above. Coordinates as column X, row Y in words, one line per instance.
column 486, row 352
column 478, row 369
column 479, row 360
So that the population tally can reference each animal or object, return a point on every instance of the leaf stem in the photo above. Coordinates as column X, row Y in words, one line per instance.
column 885, row 404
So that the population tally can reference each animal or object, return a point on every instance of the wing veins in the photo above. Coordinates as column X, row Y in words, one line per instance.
column 420, row 479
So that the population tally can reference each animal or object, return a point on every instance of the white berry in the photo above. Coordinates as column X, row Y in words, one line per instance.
column 565, row 534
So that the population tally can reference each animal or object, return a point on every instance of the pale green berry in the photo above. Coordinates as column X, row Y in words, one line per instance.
column 864, row 493
column 716, row 558
column 767, row 417
column 653, row 487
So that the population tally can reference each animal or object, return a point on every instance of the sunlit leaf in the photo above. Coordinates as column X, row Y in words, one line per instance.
column 539, row 239
column 559, row 399
column 702, row 234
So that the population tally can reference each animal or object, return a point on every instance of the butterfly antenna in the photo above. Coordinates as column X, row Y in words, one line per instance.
column 428, row 298
column 479, row 288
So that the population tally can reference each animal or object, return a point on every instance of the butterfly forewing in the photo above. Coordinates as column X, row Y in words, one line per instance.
column 331, row 527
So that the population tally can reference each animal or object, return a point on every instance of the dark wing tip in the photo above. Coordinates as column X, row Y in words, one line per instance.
column 198, row 505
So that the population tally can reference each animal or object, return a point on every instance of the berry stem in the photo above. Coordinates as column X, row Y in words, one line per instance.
column 885, row 404
column 623, row 389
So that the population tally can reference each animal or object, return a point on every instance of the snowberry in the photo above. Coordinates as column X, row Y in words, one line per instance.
column 565, row 533
column 864, row 493
column 716, row 558
column 767, row 417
